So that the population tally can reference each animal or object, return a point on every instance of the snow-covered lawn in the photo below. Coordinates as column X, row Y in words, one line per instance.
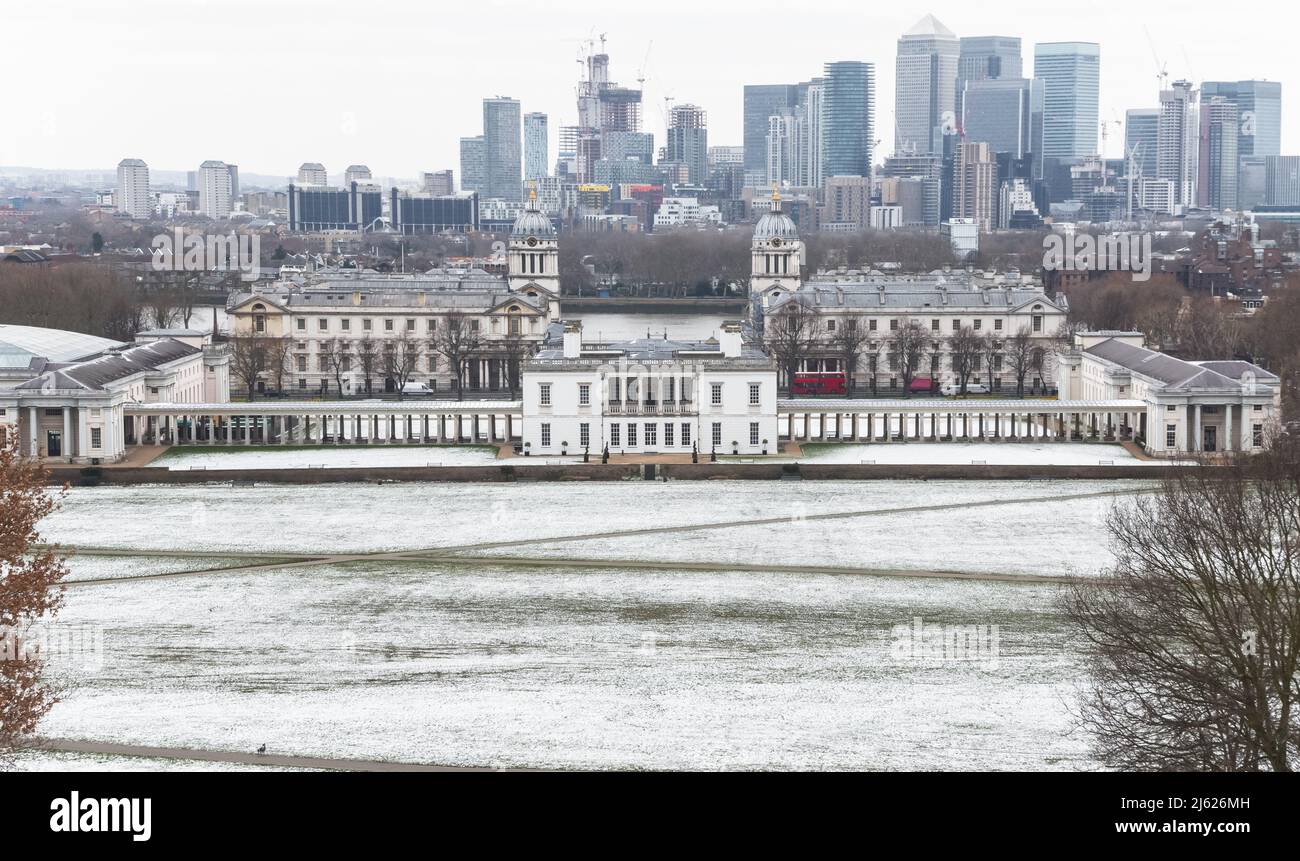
column 575, row 669
column 1056, row 453
column 271, row 457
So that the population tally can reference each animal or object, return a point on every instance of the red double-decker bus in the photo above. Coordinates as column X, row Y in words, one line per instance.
column 818, row 383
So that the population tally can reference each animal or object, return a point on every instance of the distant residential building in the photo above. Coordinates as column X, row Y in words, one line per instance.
column 685, row 212
column 133, row 195
column 438, row 183
column 688, row 141
column 215, row 192
column 473, row 165
column 312, row 173
column 925, row 95
column 536, row 146
column 356, row 173
column 719, row 155
column 501, row 149
column 920, row 186
column 974, row 175
column 847, row 117
column 847, row 204
column 1178, row 134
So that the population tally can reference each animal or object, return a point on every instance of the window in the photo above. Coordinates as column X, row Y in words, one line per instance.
column 1256, row 434
column 1171, row 436
column 717, row 433
column 668, row 434
column 546, row 435
column 302, row 363
column 934, row 325
column 686, row 433
column 584, row 434
column 259, row 323
column 651, row 434
column 615, row 434
column 433, row 363
column 584, row 394
column 631, row 434
column 1038, row 322
column 302, row 324
column 1170, row 408
column 956, row 325
column 431, row 325
column 830, row 325
column 753, row 394
column 871, row 325
column 514, row 325
column 324, row 364
column 614, row 388
column 715, row 394
column 323, row 324
column 366, row 324
column 345, row 324
column 96, row 437
column 473, row 325
column 753, row 433
column 672, row 390
column 997, row 325
column 893, row 325
column 388, row 325
column 544, row 391
column 978, row 325
column 302, row 383
column 410, row 325
column 1259, row 408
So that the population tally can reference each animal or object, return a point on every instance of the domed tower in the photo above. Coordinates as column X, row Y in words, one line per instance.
column 534, row 266
column 777, row 254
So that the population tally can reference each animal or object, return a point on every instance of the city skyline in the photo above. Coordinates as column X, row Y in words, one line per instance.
column 82, row 123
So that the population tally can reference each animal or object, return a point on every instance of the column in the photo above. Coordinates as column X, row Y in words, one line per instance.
column 1196, row 431
column 1227, row 427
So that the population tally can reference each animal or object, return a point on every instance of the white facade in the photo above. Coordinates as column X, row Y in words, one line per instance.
column 686, row 211
column 132, row 195
column 1203, row 406
column 650, row 396
column 313, row 173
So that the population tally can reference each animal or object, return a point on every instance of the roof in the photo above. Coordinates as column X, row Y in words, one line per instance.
column 929, row 26
column 1177, row 375
column 652, row 350
column 20, row 344
column 117, row 364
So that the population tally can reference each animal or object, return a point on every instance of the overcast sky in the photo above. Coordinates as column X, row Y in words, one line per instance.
column 268, row 84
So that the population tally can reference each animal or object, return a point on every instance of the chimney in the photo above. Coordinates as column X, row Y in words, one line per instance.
column 572, row 339
column 729, row 339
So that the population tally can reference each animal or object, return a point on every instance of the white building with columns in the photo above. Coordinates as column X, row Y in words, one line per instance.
column 650, row 396
column 1191, row 406
column 74, row 410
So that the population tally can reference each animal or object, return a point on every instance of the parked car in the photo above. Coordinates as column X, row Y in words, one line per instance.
column 972, row 388
column 414, row 388
column 921, row 386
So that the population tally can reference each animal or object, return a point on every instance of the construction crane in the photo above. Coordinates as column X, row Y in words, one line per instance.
column 1162, row 68
column 640, row 73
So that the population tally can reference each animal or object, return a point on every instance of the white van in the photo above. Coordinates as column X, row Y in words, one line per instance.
column 414, row 388
column 972, row 388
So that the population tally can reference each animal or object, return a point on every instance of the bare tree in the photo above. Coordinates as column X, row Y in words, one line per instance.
column 253, row 355
column 911, row 343
column 965, row 347
column 991, row 357
column 1023, row 356
column 367, row 359
column 401, row 357
column 457, row 338
column 850, row 339
column 1193, row 636
column 871, row 353
column 162, row 309
column 335, row 354
column 514, row 349
column 31, row 589
column 792, row 333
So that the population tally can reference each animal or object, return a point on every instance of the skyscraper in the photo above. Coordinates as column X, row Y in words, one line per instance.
column 1070, row 75
column 214, row 189
column 763, row 101
column 1217, row 168
column 1177, row 136
column 925, row 94
column 973, row 184
column 133, row 188
column 1282, row 182
column 848, row 96
column 536, row 146
column 1000, row 112
column 1260, row 104
column 501, row 149
column 1141, row 140
column 688, row 140
column 987, row 58
column 473, row 173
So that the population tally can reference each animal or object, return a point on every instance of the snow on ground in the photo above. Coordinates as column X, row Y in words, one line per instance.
column 45, row 760
column 1053, row 453
column 1045, row 538
column 369, row 517
column 82, row 566
column 576, row 669
column 332, row 457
